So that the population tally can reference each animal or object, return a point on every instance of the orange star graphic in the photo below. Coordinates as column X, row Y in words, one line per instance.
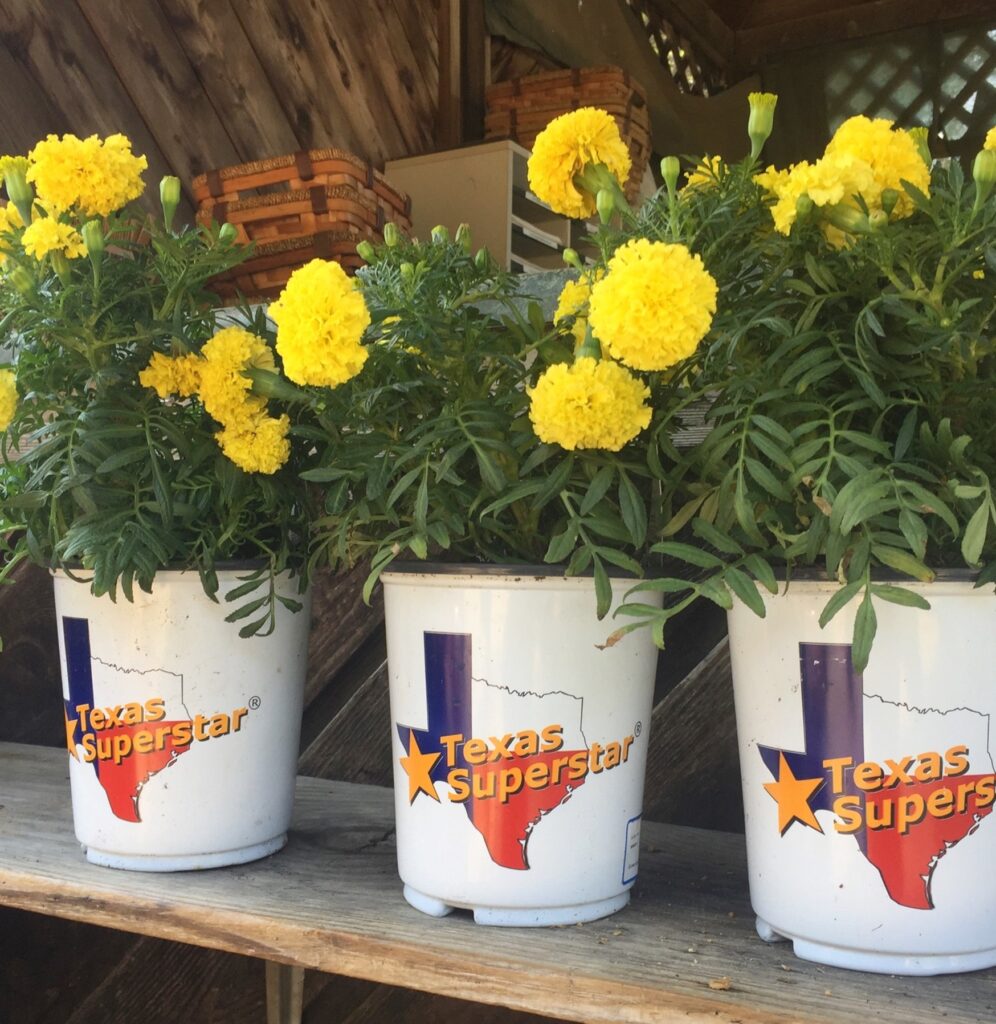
column 71, row 724
column 792, row 796
column 417, row 766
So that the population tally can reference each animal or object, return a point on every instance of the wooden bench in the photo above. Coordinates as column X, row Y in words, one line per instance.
column 684, row 951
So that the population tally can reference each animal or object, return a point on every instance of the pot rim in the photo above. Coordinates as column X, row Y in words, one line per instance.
column 811, row 573
column 502, row 570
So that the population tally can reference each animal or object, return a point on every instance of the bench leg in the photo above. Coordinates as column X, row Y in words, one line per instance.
column 284, row 993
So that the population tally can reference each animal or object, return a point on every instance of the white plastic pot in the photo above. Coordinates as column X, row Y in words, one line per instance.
column 520, row 744
column 868, row 798
column 183, row 737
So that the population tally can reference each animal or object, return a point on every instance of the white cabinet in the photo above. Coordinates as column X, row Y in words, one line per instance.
column 487, row 187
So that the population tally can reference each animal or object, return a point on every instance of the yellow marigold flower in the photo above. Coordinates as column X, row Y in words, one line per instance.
column 573, row 302
column 892, row 156
column 833, row 179
column 990, row 142
column 654, row 305
column 179, row 375
column 320, row 318
column 224, row 389
column 8, row 397
column 706, row 173
column 590, row 403
column 97, row 177
column 46, row 234
column 564, row 148
column 257, row 444
column 10, row 219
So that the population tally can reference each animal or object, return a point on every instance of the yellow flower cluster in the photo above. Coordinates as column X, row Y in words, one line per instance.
column 8, row 397
column 258, row 444
column 706, row 173
column 654, row 305
column 95, row 176
column 179, row 375
column 46, row 234
column 990, row 142
column 321, row 316
column 254, row 441
column 564, row 148
column 10, row 220
column 573, row 302
column 590, row 403
column 865, row 157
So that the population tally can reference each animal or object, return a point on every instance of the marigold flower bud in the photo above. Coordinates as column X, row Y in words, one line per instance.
column 571, row 258
column 984, row 173
column 804, row 206
column 407, row 272
column 761, row 120
column 482, row 258
column 889, row 199
column 169, row 196
column 93, row 238
column 227, row 234
column 670, row 169
column 440, row 234
column 391, row 234
column 921, row 135
column 877, row 220
column 20, row 193
column 462, row 237
column 365, row 251
column 605, row 203
column 21, row 279
column 60, row 264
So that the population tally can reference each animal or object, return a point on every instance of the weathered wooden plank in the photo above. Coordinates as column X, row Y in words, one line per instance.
column 331, row 901
column 65, row 56
column 26, row 113
column 347, row 732
column 693, row 766
column 341, row 622
column 796, row 27
column 143, row 50
column 232, row 76
column 312, row 69
column 30, row 685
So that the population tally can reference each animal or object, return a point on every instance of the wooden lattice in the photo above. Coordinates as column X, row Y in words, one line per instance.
column 690, row 73
column 946, row 82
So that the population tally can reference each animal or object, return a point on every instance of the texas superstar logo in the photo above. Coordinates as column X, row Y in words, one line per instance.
column 506, row 783
column 906, row 808
column 126, row 741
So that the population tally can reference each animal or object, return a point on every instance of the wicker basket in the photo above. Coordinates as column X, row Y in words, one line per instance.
column 315, row 203
column 263, row 277
column 521, row 108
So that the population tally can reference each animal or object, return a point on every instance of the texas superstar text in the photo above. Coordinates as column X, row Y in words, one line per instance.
column 498, row 776
column 103, row 738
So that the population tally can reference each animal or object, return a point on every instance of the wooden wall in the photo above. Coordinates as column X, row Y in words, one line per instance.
column 198, row 84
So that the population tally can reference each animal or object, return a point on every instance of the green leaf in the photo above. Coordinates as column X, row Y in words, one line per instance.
column 903, row 561
column 687, row 553
column 763, row 476
column 422, row 503
column 763, row 572
column 402, row 485
column 746, row 589
column 634, row 512
column 900, row 595
column 562, row 544
column 716, row 538
column 865, row 625
column 714, row 590
column 603, row 589
column 838, row 600
column 123, row 458
column 597, row 489
column 914, row 530
column 682, row 516
column 905, row 435
column 974, row 538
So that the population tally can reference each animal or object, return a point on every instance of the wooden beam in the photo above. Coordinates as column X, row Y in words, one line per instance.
column 463, row 72
column 755, row 46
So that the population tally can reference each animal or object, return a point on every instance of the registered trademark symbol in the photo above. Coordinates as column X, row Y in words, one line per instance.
column 638, row 728
column 254, row 703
